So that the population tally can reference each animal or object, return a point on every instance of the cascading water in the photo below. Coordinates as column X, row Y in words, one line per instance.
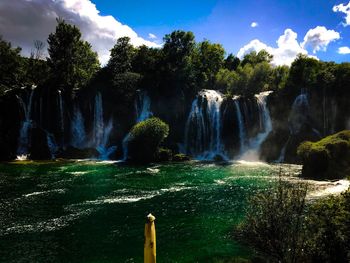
column 282, row 156
column 299, row 113
column 51, row 143
column 203, row 126
column 60, row 105
column 78, row 135
column 252, row 152
column 298, row 117
column 241, row 126
column 143, row 107
column 23, row 140
column 143, row 112
column 101, row 133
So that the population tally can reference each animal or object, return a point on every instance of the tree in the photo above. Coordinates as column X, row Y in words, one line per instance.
column 178, row 74
column 303, row 72
column 226, row 81
column 232, row 62
column 11, row 66
column 279, row 77
column 121, row 56
column 37, row 70
column 71, row 60
column 146, row 62
column 254, row 58
column 209, row 58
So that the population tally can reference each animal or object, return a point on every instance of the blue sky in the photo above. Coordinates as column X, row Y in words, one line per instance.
column 229, row 22
column 284, row 28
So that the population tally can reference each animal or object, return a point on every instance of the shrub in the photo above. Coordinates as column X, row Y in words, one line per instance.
column 145, row 139
column 274, row 224
column 329, row 229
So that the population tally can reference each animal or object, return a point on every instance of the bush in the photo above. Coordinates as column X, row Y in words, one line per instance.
column 329, row 229
column 282, row 227
column 327, row 158
column 145, row 139
column 274, row 223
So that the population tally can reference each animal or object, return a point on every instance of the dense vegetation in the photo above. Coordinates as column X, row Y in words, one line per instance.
column 180, row 66
column 281, row 225
column 145, row 139
column 172, row 75
column 327, row 158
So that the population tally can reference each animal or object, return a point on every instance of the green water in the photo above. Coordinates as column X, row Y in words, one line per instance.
column 90, row 211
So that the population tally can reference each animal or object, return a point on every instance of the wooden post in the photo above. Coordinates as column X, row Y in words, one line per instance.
column 150, row 240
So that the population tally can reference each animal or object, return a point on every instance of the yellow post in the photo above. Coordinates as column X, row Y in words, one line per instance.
column 150, row 240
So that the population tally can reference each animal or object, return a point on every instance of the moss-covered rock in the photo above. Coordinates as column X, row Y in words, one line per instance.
column 180, row 157
column 327, row 158
column 164, row 155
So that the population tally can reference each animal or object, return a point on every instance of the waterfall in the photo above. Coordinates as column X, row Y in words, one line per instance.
column 299, row 112
column 282, row 156
column 51, row 143
column 252, row 153
column 60, row 105
column 101, row 133
column 143, row 112
column 143, row 107
column 78, row 135
column 23, row 140
column 241, row 126
column 203, row 126
column 98, row 131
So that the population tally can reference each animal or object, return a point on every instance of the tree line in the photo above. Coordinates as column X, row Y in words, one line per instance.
column 180, row 66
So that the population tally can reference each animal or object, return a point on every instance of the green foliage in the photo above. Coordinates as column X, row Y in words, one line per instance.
column 225, row 81
column 232, row 62
column 327, row 158
column 254, row 58
column 208, row 60
column 279, row 77
column 145, row 139
column 122, row 55
column 303, row 72
column 275, row 223
column 282, row 227
column 11, row 68
column 329, row 229
column 177, row 69
column 72, row 61
column 252, row 78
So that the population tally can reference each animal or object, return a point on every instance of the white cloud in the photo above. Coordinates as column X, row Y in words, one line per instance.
column 319, row 38
column 344, row 50
column 285, row 53
column 254, row 45
column 22, row 22
column 288, row 46
column 152, row 36
column 343, row 9
column 254, row 24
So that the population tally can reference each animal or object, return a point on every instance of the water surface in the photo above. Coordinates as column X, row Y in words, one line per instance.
column 90, row 211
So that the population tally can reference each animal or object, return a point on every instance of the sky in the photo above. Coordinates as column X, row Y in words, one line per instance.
column 319, row 29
